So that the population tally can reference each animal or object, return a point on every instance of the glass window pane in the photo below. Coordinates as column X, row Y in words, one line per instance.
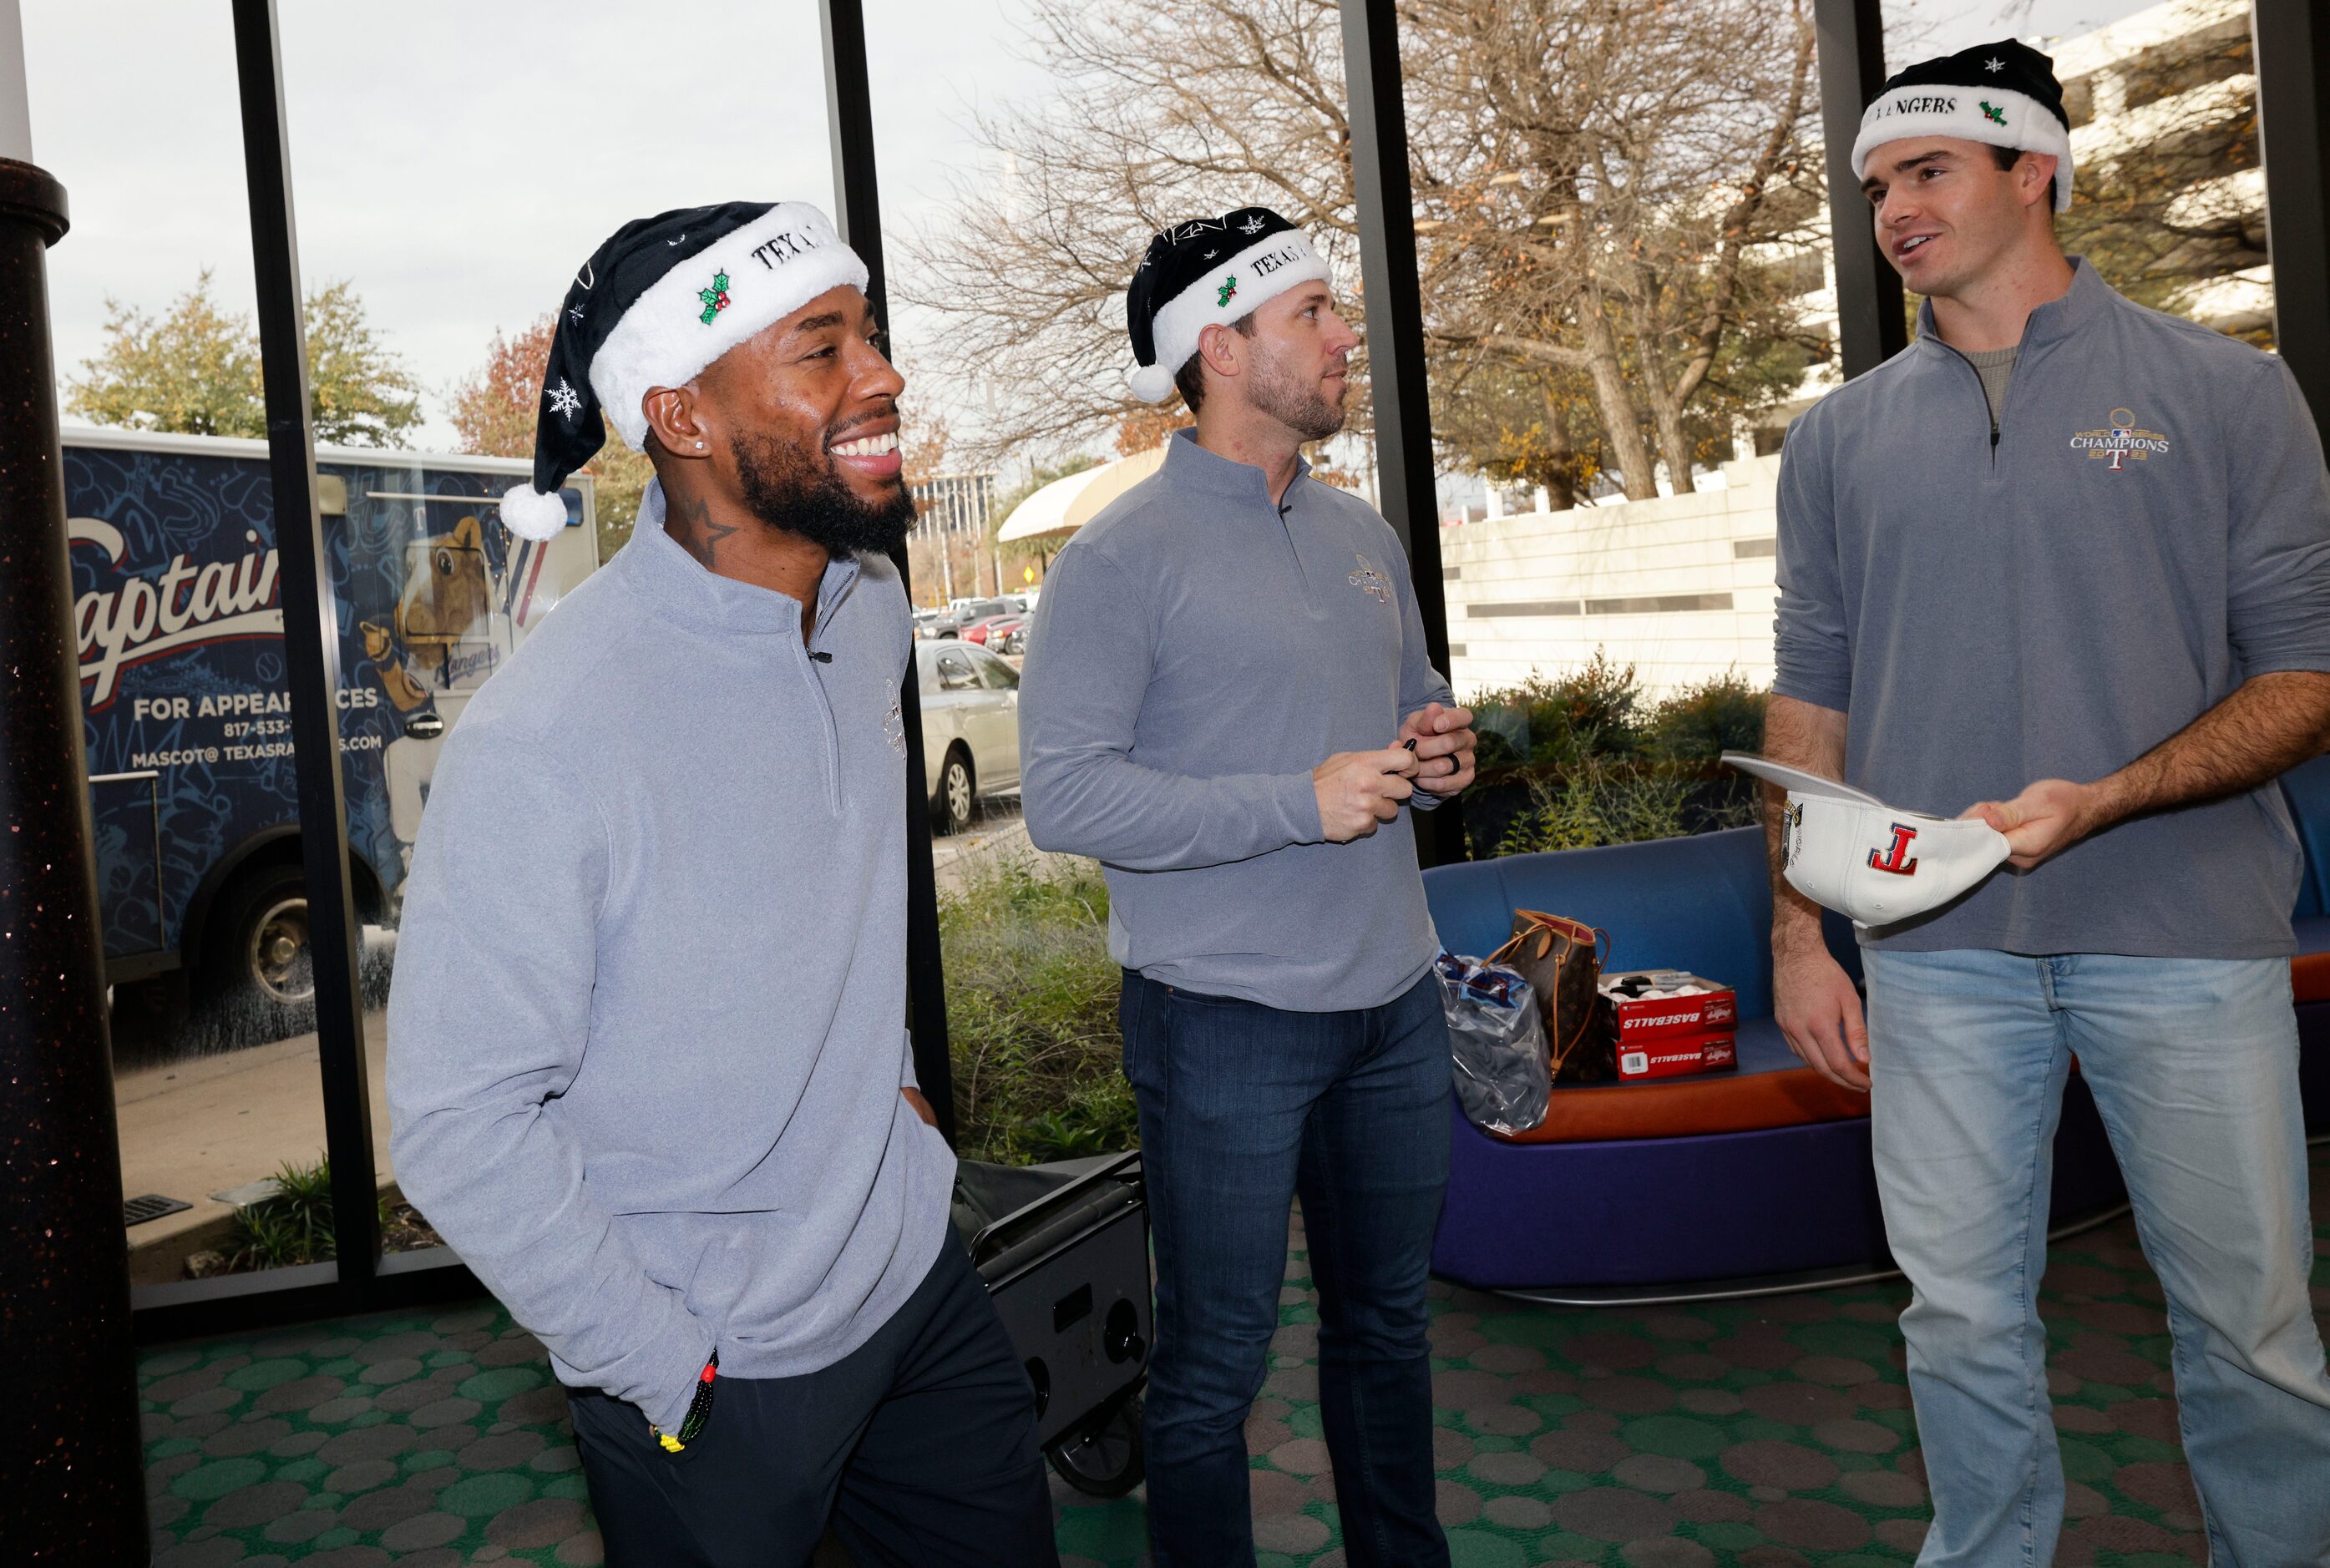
column 997, row 675
column 1624, row 309
column 1029, row 155
column 449, row 273
column 2168, row 203
column 179, row 622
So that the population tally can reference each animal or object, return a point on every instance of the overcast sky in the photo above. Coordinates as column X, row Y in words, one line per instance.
column 459, row 158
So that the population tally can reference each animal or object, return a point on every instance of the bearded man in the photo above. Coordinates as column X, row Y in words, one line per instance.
column 1228, row 703
column 648, row 1061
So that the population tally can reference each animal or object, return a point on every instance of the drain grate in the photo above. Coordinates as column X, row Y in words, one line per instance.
column 152, row 1206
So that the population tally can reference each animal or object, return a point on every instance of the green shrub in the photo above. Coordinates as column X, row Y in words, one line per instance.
column 1581, row 758
column 1031, row 1014
column 1554, row 720
column 1594, row 803
column 292, row 1226
column 1699, row 723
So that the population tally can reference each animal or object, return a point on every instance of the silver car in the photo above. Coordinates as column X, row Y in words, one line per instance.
column 970, row 728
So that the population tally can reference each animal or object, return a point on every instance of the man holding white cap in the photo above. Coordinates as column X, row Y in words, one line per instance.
column 1228, row 704
column 648, row 1064
column 2063, row 566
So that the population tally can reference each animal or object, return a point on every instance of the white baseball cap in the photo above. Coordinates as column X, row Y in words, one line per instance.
column 1846, row 850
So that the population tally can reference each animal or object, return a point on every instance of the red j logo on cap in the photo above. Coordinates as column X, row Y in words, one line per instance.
column 1898, row 859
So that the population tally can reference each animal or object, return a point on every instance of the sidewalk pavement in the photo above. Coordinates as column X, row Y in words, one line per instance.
column 209, row 1124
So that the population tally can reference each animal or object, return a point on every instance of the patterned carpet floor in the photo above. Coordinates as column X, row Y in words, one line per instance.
column 1764, row 1432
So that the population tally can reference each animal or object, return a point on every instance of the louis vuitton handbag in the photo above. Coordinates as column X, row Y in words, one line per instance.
column 1562, row 960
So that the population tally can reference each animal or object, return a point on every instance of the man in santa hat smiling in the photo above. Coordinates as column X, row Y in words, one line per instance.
column 648, row 1062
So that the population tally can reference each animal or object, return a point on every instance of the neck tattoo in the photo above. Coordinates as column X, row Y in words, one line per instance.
column 703, row 535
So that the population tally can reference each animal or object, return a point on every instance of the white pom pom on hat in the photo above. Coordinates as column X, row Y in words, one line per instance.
column 1153, row 384
column 529, row 514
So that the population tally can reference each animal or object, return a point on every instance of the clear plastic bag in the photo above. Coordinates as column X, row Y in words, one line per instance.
column 1497, row 1040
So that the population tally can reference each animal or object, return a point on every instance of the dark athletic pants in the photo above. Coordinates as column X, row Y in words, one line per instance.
column 919, row 1448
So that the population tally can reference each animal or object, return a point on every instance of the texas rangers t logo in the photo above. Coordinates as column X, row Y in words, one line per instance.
column 1898, row 859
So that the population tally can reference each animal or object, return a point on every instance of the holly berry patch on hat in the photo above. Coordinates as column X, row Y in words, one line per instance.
column 662, row 298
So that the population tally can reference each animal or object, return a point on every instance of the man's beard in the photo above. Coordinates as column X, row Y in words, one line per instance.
column 787, row 487
column 1294, row 402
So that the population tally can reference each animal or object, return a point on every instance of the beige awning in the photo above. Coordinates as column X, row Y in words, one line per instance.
column 1112, row 480
column 1046, row 512
column 1065, row 505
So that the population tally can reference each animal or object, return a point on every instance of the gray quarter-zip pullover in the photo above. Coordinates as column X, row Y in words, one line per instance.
column 2148, row 527
column 1198, row 650
column 647, row 1030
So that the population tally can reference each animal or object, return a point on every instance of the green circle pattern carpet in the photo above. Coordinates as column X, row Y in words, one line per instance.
column 1763, row 1432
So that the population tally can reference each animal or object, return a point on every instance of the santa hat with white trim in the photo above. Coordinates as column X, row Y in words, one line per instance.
column 662, row 298
column 1208, row 272
column 2005, row 94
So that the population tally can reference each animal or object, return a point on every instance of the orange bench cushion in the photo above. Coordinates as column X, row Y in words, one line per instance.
column 1769, row 1088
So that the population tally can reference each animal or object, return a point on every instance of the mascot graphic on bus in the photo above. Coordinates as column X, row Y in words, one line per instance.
column 451, row 629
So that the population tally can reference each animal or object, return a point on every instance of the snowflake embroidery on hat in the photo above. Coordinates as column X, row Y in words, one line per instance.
column 564, row 400
column 574, row 313
column 1230, row 291
column 1370, row 582
column 715, row 298
column 1251, row 226
column 1211, row 254
column 1992, row 112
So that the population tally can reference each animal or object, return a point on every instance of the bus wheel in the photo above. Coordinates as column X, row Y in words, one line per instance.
column 258, row 975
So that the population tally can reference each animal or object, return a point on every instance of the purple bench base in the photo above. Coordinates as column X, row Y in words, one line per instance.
column 1673, row 1211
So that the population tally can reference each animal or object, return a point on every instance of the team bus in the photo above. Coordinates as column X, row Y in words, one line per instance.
column 179, row 619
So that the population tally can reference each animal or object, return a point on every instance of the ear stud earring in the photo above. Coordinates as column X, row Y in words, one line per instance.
column 700, row 446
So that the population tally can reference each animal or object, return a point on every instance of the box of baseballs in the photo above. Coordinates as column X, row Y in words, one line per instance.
column 1664, row 1022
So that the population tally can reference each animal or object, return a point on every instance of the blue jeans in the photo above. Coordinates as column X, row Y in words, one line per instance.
column 1242, row 1106
column 2193, row 1064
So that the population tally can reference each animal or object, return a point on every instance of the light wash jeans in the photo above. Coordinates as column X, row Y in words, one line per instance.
column 2193, row 1064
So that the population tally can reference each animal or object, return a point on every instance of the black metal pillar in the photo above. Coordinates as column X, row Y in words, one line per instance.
column 1871, row 326
column 2292, row 43
column 72, row 1457
column 857, row 218
column 311, row 645
column 1396, row 366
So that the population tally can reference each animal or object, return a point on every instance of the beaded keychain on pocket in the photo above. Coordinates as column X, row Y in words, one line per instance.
column 699, row 1411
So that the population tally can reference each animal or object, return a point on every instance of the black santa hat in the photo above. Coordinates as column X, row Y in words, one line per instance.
column 2004, row 93
column 1208, row 272
column 662, row 298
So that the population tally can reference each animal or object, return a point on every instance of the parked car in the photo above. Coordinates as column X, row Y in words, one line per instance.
column 979, row 631
column 966, row 611
column 995, row 631
column 970, row 728
column 1012, row 639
